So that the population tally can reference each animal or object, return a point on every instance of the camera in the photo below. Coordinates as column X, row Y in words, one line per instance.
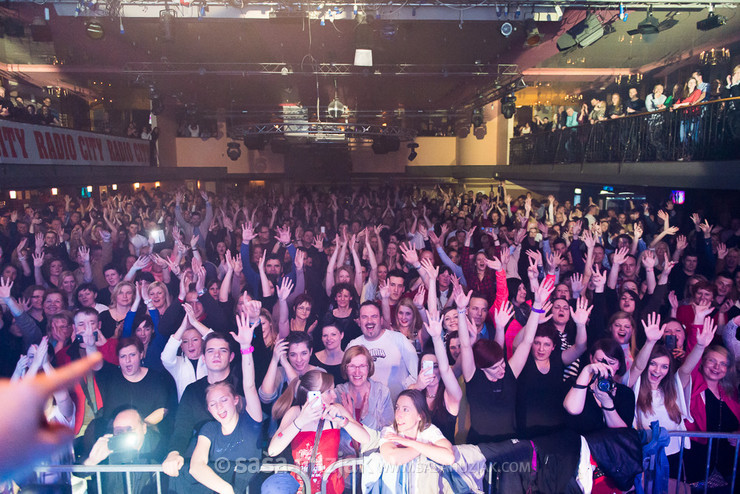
column 606, row 384
column 122, row 442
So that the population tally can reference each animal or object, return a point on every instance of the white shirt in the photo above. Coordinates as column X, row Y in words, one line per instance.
column 180, row 367
column 396, row 362
column 660, row 413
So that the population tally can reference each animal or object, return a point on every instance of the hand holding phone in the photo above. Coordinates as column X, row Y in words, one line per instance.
column 312, row 395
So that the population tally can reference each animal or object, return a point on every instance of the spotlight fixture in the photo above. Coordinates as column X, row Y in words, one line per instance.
column 507, row 29
column 477, row 118
column 508, row 105
column 463, row 131
column 533, row 34
column 711, row 22
column 233, row 150
column 623, row 12
column 585, row 33
column 480, row 132
column 412, row 146
column 647, row 26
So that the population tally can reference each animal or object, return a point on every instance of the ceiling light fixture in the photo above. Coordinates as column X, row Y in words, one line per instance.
column 507, row 29
column 233, row 150
column 712, row 21
column 508, row 105
column 647, row 26
column 585, row 33
column 412, row 146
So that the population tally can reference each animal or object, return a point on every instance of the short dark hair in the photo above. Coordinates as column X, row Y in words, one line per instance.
column 487, row 353
column 611, row 349
column 298, row 337
column 397, row 273
column 369, row 303
column 87, row 286
column 131, row 340
column 112, row 266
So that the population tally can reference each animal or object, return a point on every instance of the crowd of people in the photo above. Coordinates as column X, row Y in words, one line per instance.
column 424, row 331
column 14, row 107
column 616, row 105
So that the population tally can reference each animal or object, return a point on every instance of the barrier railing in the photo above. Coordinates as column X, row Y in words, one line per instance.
column 157, row 470
column 713, row 439
column 708, row 131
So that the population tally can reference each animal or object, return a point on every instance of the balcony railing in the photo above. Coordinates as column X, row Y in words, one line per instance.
column 707, row 131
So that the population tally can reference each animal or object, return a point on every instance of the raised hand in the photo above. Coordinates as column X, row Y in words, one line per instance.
column 649, row 260
column 283, row 235
column 38, row 260
column 653, row 330
column 681, row 243
column 431, row 270
column 721, row 250
column 5, row 286
column 461, row 299
column 706, row 229
column 576, row 283
column 434, row 326
column 663, row 216
column 638, row 231
column 620, row 256
column 673, row 300
column 245, row 330
column 503, row 314
column 384, row 290
column 706, row 334
column 409, row 254
column 420, row 296
column 544, row 290
column 300, row 257
column 286, row 286
column 248, row 232
column 494, row 264
column 582, row 312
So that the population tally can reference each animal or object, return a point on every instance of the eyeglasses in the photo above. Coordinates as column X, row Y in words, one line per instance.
column 353, row 368
column 714, row 363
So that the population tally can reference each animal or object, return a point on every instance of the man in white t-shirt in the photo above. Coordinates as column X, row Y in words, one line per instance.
column 396, row 362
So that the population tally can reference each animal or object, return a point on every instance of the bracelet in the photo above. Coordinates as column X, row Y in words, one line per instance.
column 202, row 292
column 248, row 350
column 609, row 409
column 538, row 311
column 462, row 311
column 579, row 386
column 296, row 425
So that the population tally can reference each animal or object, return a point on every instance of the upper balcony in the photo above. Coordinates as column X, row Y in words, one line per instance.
column 695, row 146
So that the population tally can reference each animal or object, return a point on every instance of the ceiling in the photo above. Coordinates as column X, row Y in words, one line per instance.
column 421, row 66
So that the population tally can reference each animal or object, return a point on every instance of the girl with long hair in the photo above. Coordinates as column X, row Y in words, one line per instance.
column 302, row 419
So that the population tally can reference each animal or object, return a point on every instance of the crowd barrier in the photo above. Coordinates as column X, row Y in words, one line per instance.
column 157, row 470
column 352, row 467
column 708, row 131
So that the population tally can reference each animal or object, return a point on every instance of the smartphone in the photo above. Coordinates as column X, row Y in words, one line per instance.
column 323, row 229
column 122, row 442
column 79, row 338
column 312, row 395
column 157, row 236
column 427, row 366
column 670, row 341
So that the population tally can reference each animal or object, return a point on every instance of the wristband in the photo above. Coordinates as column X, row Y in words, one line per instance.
column 201, row 292
column 579, row 386
column 609, row 409
column 417, row 266
column 538, row 311
column 248, row 350
column 462, row 311
column 296, row 425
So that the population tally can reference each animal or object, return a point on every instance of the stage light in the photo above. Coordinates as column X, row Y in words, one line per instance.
column 647, row 26
column 477, row 118
column 233, row 150
column 508, row 105
column 585, row 33
column 363, row 42
column 114, row 187
column 412, row 146
column 507, row 29
column 255, row 142
column 711, row 22
column 480, row 132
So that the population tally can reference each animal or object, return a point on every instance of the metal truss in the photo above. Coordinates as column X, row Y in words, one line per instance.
column 320, row 69
column 322, row 131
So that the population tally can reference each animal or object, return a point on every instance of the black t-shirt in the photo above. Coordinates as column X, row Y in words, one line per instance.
column 192, row 413
column 591, row 418
column 492, row 407
column 156, row 390
column 346, row 325
column 334, row 370
column 241, row 448
column 539, row 400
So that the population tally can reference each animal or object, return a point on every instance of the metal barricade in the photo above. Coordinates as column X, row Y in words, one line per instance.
column 713, row 439
column 354, row 463
column 157, row 470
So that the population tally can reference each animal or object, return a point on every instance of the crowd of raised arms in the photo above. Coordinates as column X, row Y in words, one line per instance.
column 420, row 330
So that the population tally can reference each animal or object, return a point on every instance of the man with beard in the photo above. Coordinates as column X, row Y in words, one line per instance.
column 396, row 362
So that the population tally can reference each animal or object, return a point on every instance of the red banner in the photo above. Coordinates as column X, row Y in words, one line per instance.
column 26, row 144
